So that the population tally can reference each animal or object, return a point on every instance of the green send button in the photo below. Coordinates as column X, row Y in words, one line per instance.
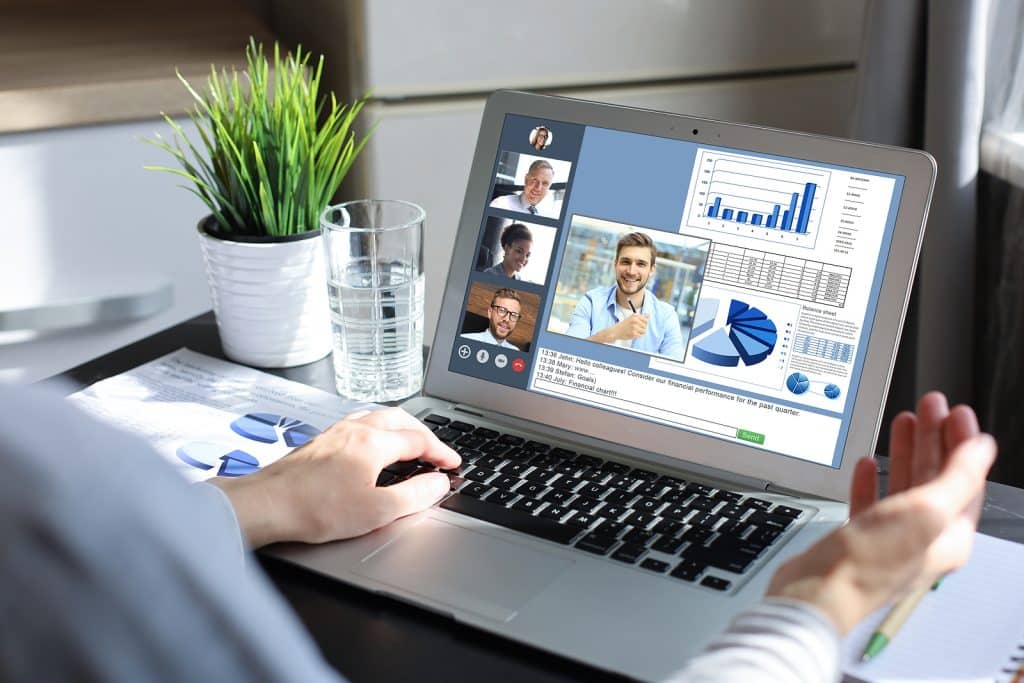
column 747, row 435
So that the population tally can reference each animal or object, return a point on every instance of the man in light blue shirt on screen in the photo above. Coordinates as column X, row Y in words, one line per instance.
column 627, row 314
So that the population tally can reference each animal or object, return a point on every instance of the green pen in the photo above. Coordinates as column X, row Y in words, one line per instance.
column 893, row 621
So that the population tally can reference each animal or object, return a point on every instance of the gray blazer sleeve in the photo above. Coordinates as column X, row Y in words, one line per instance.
column 114, row 568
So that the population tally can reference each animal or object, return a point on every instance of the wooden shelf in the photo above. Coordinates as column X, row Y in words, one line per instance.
column 72, row 63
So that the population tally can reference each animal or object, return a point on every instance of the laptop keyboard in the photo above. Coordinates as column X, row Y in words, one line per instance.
column 685, row 530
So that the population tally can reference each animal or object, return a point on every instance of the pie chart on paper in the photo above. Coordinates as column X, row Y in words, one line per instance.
column 265, row 428
column 206, row 455
column 748, row 336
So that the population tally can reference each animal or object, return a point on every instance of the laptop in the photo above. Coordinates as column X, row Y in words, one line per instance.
column 664, row 343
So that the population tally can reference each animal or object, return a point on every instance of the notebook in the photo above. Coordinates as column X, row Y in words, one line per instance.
column 756, row 281
column 971, row 628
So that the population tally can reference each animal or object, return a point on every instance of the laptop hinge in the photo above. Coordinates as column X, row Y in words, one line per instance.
column 732, row 478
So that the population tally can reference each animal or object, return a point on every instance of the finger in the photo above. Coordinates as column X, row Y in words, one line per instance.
column 901, row 451
column 960, row 426
column 864, row 487
column 398, row 419
column 932, row 410
column 412, row 495
column 962, row 481
column 357, row 415
column 385, row 446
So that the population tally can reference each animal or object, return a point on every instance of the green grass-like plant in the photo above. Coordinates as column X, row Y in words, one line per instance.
column 274, row 157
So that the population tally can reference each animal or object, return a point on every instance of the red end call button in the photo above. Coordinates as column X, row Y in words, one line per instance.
column 518, row 365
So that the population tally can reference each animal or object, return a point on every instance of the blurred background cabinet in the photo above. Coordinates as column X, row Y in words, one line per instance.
column 80, row 83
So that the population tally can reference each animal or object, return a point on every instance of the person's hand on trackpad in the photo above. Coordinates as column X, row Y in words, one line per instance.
column 327, row 489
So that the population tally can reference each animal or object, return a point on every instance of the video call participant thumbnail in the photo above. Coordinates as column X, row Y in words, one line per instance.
column 540, row 137
column 534, row 197
column 626, row 313
column 502, row 317
column 517, row 247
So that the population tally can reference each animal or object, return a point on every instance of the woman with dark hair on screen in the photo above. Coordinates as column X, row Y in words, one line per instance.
column 516, row 242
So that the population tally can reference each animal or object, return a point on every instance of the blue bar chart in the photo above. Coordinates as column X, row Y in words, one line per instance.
column 757, row 197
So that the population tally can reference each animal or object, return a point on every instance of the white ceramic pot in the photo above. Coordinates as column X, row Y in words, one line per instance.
column 270, row 297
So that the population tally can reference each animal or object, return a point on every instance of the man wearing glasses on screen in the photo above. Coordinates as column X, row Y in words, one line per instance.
column 627, row 314
column 502, row 316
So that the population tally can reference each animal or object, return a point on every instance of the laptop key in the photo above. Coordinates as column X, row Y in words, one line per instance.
column 688, row 571
column 438, row 420
column 447, row 434
column 555, row 496
column 475, row 490
column 454, row 482
column 715, row 582
column 480, row 474
column 756, row 503
column 527, row 505
column 583, row 503
column 539, row 476
column 469, row 441
column 668, row 545
column 618, row 496
column 537, row 446
column 786, row 511
column 613, row 512
column 596, row 543
column 514, row 468
column 640, row 537
column 614, row 467
column 655, row 565
column 582, row 520
column 554, row 512
column 485, row 433
column 461, row 426
column 511, row 440
column 517, row 520
column 495, row 448
column 611, row 528
column 562, row 453
column 640, row 519
column 588, row 461
column 500, row 497
column 531, row 489
column 629, row 553
column 505, row 482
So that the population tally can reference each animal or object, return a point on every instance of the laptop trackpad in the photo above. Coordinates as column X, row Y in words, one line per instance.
column 465, row 569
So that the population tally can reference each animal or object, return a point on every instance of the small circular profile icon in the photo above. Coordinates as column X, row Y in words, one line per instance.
column 464, row 351
column 518, row 365
column 482, row 356
column 541, row 137
column 501, row 360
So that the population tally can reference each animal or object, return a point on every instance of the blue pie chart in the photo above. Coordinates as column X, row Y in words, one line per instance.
column 263, row 427
column 798, row 383
column 748, row 336
column 832, row 391
column 205, row 455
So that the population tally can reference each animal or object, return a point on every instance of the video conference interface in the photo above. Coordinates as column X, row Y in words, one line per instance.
column 710, row 289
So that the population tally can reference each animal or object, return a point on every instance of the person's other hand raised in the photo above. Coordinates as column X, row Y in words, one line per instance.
column 923, row 529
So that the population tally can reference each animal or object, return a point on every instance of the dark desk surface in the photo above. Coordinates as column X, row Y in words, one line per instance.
column 368, row 637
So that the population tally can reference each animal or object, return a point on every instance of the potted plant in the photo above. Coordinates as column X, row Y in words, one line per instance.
column 270, row 155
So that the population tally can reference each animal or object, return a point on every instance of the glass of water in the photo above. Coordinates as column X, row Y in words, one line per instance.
column 374, row 251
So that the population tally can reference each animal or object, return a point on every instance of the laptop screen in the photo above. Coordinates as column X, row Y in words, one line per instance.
column 710, row 289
